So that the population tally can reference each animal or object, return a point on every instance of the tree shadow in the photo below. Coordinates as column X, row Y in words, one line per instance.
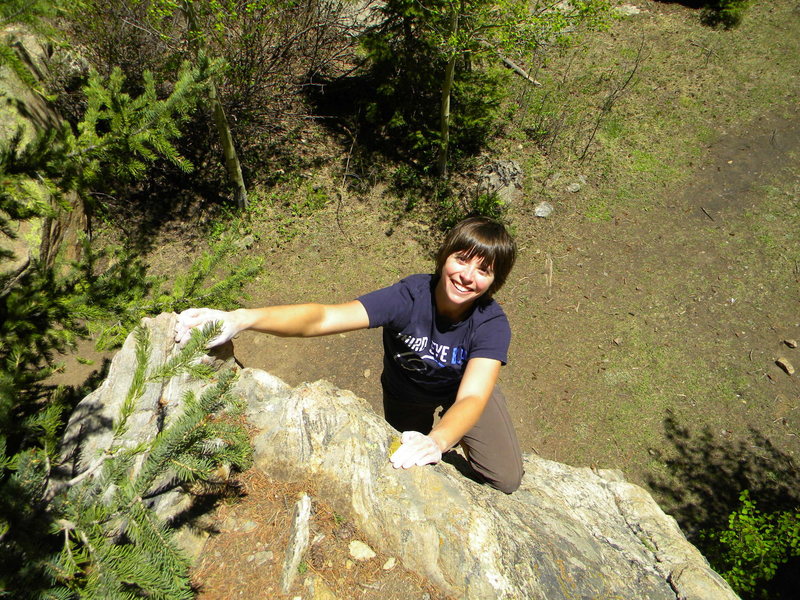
column 168, row 200
column 82, row 422
column 345, row 103
column 686, row 3
column 708, row 472
column 205, row 499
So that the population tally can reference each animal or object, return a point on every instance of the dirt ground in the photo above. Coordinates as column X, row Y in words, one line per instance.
column 670, row 277
column 649, row 342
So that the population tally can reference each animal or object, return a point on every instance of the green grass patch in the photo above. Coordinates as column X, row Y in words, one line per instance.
column 641, row 110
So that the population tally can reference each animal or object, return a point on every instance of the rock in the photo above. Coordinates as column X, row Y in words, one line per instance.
column 263, row 557
column 627, row 10
column 248, row 526
column 543, row 209
column 568, row 532
column 790, row 343
column 318, row 589
column 784, row 364
column 89, row 434
column 298, row 542
column 574, row 187
column 192, row 540
column 504, row 178
column 27, row 112
column 360, row 551
column 389, row 564
column 245, row 242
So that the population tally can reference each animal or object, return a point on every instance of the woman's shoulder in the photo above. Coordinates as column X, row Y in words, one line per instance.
column 489, row 311
column 418, row 279
column 419, row 283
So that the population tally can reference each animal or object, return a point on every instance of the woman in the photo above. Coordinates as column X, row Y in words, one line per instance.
column 444, row 339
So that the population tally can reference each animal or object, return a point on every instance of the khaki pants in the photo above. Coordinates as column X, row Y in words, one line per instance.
column 491, row 445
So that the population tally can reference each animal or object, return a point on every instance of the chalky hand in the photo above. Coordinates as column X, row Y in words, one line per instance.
column 417, row 450
column 197, row 317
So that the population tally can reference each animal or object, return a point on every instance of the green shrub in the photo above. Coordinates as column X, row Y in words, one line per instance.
column 725, row 13
column 488, row 205
column 755, row 544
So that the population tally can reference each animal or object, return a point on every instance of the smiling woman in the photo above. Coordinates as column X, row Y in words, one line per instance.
column 445, row 340
column 462, row 281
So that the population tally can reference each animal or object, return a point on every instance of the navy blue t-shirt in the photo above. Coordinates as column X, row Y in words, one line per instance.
column 425, row 355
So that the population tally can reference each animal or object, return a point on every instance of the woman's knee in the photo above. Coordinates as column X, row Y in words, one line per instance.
column 507, row 483
column 507, row 479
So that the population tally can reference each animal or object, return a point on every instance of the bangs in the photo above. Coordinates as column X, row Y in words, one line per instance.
column 486, row 254
column 486, row 239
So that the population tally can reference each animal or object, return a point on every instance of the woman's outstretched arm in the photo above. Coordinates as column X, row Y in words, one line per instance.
column 291, row 320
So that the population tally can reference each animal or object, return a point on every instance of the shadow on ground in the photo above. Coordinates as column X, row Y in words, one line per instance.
column 708, row 472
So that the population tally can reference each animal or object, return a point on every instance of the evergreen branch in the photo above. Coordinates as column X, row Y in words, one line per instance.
column 153, row 538
column 141, row 129
column 9, row 58
column 57, row 594
column 15, row 277
column 93, row 468
column 136, row 389
column 184, row 438
column 187, row 359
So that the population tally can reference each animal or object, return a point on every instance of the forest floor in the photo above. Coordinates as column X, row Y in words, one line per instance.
column 649, row 311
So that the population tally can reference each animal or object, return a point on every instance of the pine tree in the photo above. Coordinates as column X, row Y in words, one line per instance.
column 40, row 310
column 431, row 64
column 113, row 544
column 43, row 311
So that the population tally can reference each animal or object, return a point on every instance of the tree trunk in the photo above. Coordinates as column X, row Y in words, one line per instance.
column 232, row 164
column 444, row 138
column 61, row 233
column 447, row 88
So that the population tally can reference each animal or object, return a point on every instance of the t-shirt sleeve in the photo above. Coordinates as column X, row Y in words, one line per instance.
column 390, row 306
column 491, row 339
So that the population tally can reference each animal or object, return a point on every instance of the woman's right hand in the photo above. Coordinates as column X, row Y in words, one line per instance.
column 197, row 317
column 417, row 449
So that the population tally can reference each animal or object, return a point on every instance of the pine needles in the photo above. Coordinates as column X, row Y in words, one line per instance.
column 114, row 546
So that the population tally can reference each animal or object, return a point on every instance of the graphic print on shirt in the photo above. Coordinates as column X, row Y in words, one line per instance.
column 425, row 355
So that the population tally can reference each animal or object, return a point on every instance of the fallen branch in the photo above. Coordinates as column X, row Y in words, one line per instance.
column 518, row 70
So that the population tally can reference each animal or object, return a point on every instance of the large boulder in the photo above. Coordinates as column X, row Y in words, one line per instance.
column 89, row 434
column 567, row 533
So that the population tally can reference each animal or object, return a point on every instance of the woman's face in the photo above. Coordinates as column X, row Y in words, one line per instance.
column 464, row 280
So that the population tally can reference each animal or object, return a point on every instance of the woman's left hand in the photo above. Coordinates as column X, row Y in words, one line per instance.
column 418, row 449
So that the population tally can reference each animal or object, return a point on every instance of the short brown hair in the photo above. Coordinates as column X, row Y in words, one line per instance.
column 480, row 236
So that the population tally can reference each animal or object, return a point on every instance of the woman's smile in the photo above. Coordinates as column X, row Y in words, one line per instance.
column 463, row 280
